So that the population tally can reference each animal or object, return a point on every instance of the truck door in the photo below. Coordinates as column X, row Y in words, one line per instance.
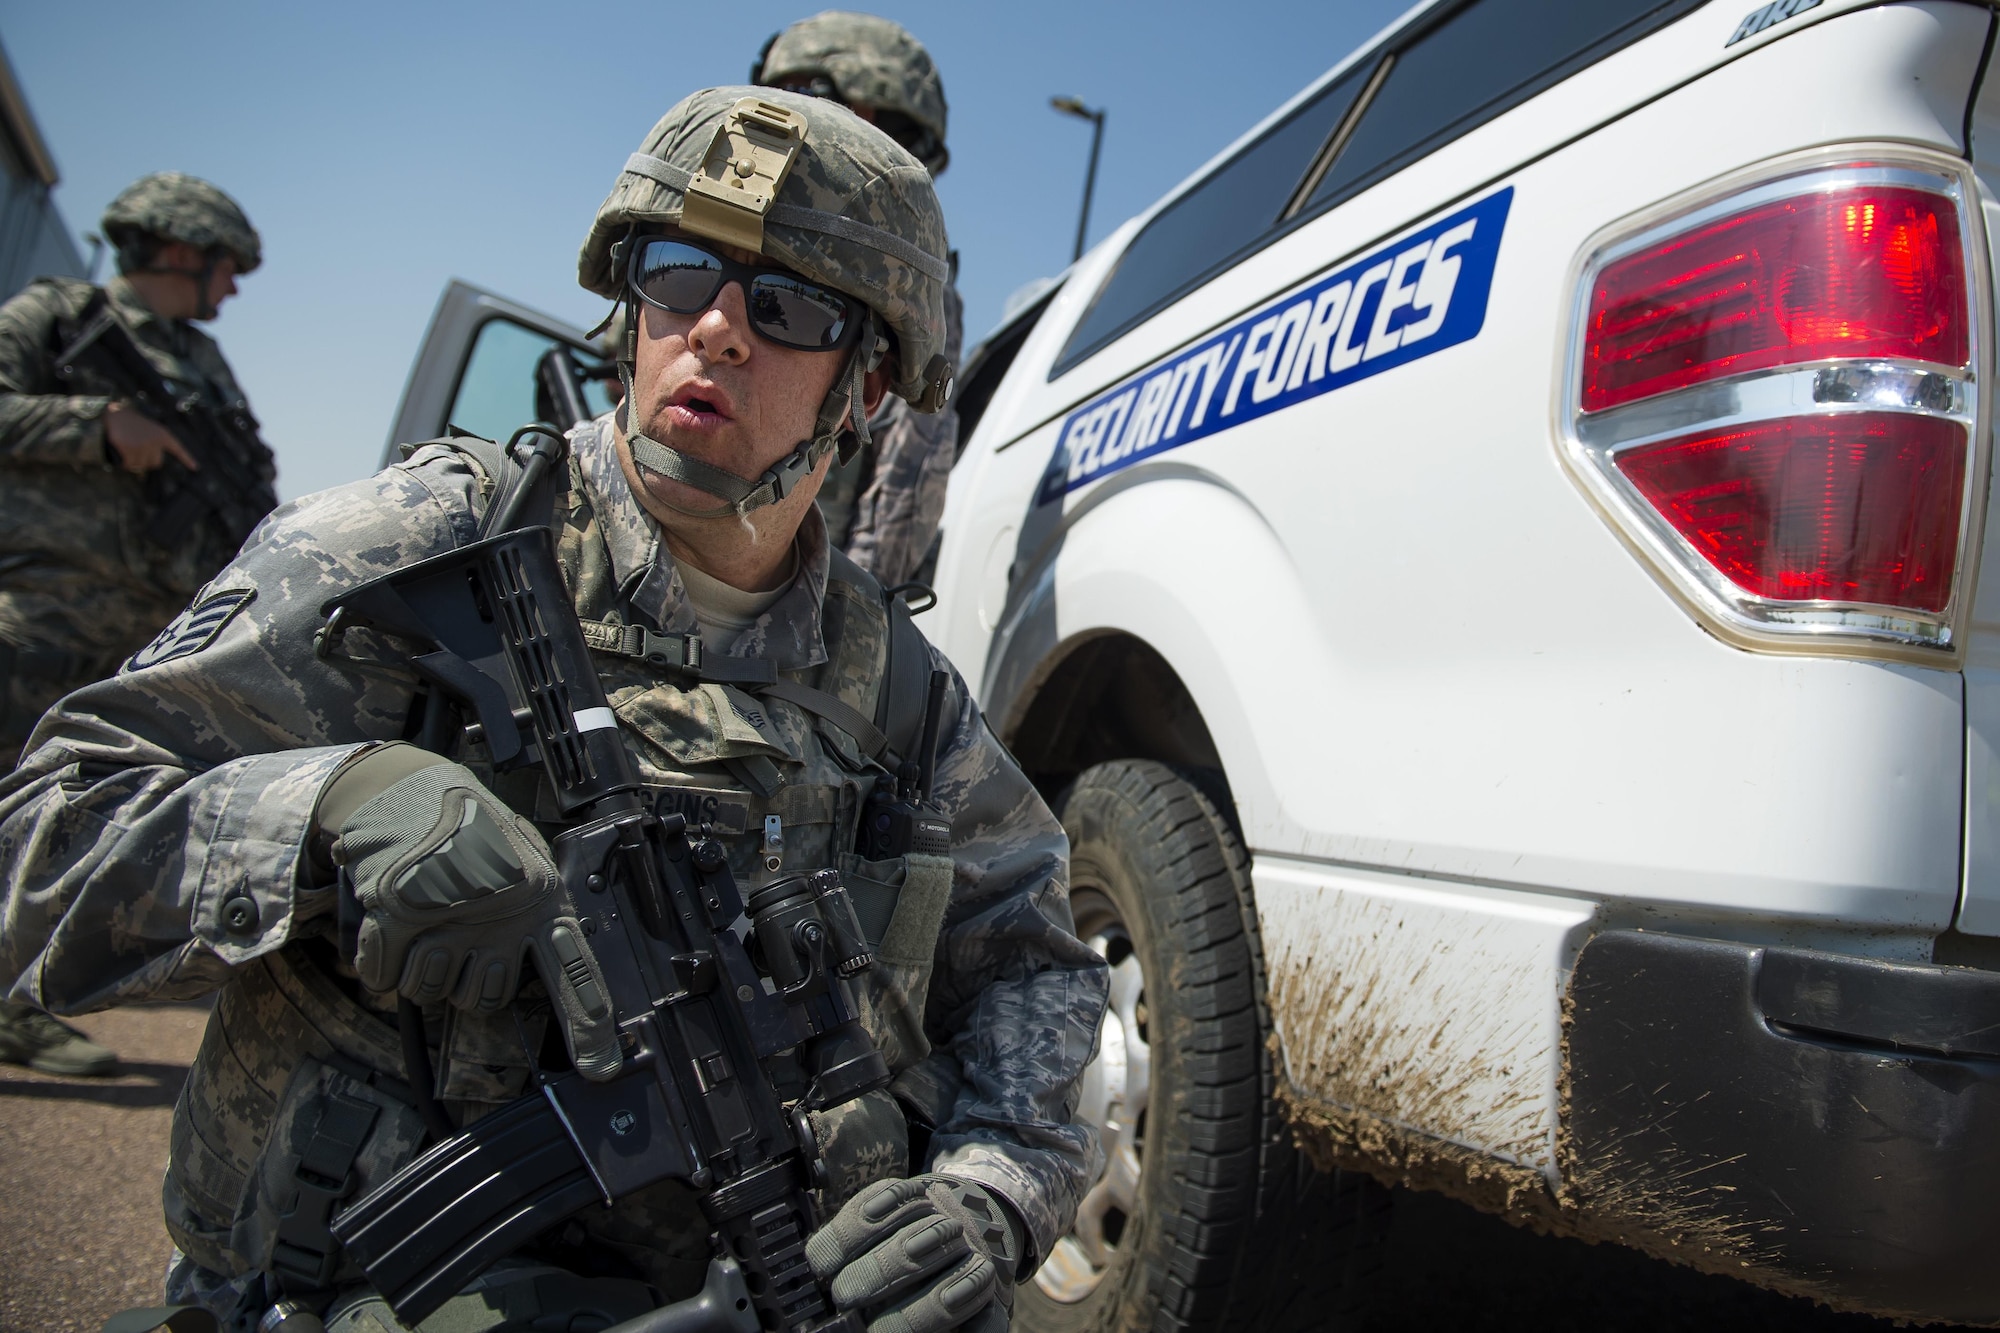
column 477, row 369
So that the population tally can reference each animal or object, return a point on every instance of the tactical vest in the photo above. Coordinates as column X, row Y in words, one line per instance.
column 296, row 1101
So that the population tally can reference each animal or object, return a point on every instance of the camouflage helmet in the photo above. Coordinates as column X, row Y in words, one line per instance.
column 173, row 206
column 829, row 196
column 871, row 61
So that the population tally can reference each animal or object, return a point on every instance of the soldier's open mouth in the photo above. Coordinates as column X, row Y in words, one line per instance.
column 691, row 409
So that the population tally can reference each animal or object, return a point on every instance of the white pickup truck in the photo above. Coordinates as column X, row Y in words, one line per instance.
column 1490, row 572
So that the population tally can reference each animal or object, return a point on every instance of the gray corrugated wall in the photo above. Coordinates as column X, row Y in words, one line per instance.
column 33, row 239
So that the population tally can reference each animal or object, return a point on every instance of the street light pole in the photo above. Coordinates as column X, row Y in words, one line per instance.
column 1071, row 106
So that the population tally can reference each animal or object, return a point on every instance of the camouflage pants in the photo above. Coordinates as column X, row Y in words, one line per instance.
column 660, row 1231
column 510, row 1299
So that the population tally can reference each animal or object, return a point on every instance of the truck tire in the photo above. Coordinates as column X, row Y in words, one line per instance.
column 1206, row 1217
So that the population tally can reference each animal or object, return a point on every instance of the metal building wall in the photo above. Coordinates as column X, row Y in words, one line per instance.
column 33, row 239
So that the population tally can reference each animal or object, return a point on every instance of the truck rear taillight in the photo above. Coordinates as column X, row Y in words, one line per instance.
column 1855, row 272
column 1772, row 395
column 1861, row 507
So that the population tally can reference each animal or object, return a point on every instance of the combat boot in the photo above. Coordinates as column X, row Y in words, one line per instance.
column 38, row 1040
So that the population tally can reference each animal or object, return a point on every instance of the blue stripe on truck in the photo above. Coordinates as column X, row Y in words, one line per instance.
column 1420, row 295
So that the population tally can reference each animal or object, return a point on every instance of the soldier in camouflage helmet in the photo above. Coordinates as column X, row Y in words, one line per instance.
column 871, row 65
column 174, row 829
column 168, row 208
column 81, row 583
column 882, row 506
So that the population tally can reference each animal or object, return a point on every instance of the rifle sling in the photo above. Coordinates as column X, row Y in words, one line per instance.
column 683, row 653
column 823, row 705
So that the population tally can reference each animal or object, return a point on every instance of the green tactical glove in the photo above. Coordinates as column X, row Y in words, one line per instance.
column 455, row 888
column 920, row 1256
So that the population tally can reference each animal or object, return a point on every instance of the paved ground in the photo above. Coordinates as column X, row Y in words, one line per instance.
column 80, row 1164
column 80, row 1235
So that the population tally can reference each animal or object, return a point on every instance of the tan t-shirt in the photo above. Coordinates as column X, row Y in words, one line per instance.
column 722, row 611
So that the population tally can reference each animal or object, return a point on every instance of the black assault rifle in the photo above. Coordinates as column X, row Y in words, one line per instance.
column 232, row 482
column 728, row 1041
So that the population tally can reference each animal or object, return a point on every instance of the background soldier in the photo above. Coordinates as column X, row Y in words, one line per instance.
column 81, row 585
column 177, row 827
column 883, row 506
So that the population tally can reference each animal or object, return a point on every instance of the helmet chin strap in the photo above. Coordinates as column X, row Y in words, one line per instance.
column 205, row 308
column 740, row 497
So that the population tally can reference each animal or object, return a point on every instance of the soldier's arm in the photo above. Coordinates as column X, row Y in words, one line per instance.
column 1016, row 998
column 154, row 836
column 897, row 516
column 38, row 422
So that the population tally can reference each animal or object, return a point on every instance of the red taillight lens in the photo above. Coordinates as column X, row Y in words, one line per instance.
column 1860, row 507
column 1860, row 271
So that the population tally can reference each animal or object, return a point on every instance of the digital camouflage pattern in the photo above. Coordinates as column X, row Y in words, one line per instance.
column 187, row 782
column 870, row 60
column 81, row 587
column 883, row 505
column 853, row 171
column 178, row 207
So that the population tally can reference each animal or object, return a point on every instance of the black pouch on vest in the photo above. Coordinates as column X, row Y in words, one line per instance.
column 334, row 1138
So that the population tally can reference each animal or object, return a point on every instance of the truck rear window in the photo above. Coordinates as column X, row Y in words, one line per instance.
column 1487, row 58
column 1451, row 71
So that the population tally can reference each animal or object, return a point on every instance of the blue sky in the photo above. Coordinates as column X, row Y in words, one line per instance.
column 383, row 149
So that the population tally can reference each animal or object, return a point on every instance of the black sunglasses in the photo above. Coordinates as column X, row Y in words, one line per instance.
column 783, row 307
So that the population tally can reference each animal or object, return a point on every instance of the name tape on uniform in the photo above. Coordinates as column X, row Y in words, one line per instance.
column 1420, row 295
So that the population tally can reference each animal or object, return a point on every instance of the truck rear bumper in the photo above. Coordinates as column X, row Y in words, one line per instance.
column 1824, row 1125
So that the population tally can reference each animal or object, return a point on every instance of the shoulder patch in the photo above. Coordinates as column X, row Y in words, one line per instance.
column 193, row 629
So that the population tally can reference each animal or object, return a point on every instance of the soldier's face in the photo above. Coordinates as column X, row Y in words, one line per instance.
column 174, row 290
column 710, row 386
column 221, row 283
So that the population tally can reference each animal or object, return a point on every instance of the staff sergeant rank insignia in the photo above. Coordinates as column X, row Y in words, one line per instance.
column 193, row 629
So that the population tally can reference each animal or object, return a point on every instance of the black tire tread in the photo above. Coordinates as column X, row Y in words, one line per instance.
column 1255, row 1238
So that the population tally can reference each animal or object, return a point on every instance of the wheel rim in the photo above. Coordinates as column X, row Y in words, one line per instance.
column 1117, row 1087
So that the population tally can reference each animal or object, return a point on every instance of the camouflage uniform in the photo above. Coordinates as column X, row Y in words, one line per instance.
column 155, row 798
column 882, row 506
column 81, row 586
column 153, row 846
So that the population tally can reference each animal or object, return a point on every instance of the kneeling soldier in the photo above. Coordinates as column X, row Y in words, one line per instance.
column 176, row 829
